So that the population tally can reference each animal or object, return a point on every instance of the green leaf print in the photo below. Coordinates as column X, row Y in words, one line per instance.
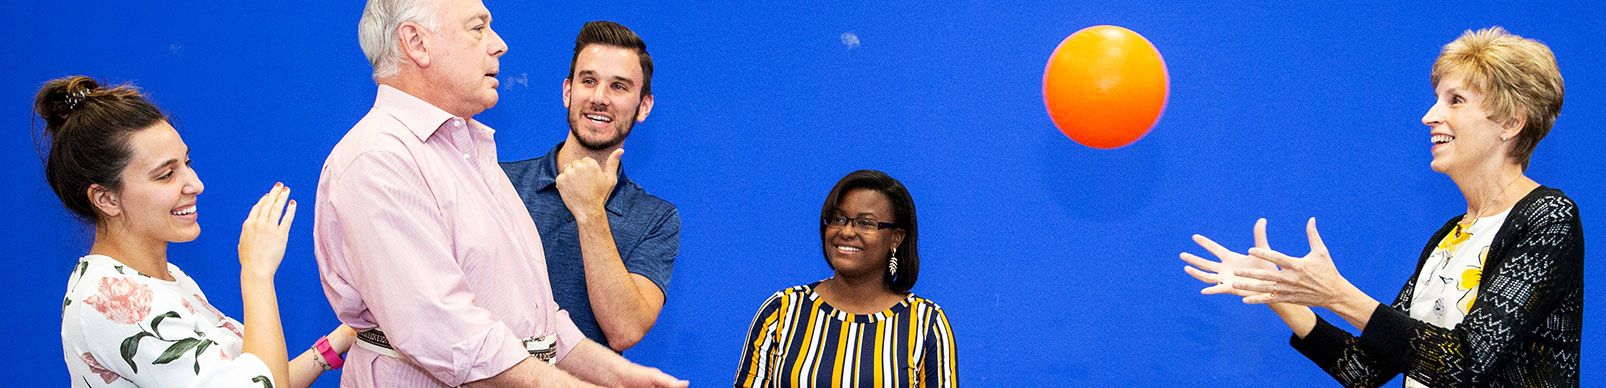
column 266, row 383
column 119, row 269
column 177, row 349
column 82, row 266
column 157, row 322
column 131, row 347
column 198, row 350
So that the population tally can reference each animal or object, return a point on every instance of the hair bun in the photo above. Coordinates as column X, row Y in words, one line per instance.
column 85, row 137
column 59, row 97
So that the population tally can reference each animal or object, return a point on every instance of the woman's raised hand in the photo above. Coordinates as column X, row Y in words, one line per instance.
column 264, row 233
column 1221, row 275
column 1309, row 281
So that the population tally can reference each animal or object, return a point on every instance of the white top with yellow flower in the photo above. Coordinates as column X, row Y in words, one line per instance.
column 122, row 328
column 1448, row 283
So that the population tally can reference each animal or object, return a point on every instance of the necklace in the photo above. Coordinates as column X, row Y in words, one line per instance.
column 1472, row 218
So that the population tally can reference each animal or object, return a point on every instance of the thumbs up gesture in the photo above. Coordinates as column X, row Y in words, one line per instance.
column 585, row 184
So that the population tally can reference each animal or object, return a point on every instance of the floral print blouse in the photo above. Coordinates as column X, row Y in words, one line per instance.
column 122, row 328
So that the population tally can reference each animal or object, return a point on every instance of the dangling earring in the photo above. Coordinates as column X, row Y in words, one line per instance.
column 892, row 264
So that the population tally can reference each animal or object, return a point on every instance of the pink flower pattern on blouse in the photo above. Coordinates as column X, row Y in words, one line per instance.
column 233, row 328
column 121, row 328
column 122, row 300
column 208, row 305
column 94, row 366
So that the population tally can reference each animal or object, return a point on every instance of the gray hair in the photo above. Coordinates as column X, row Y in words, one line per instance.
column 376, row 32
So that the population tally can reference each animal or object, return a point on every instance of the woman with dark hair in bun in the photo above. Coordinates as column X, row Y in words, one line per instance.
column 130, row 318
column 861, row 327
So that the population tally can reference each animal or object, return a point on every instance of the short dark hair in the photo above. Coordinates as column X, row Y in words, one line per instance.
column 614, row 34
column 903, row 214
column 87, row 128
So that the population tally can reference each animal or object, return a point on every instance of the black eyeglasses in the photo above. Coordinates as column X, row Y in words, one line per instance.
column 864, row 224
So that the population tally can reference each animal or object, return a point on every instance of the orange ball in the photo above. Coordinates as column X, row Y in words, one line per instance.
column 1105, row 86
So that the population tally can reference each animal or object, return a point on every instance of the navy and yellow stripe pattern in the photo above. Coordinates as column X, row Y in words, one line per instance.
column 797, row 340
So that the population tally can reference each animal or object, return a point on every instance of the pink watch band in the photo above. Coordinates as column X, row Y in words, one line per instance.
column 329, row 354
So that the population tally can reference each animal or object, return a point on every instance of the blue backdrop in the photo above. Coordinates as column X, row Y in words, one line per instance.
column 1056, row 263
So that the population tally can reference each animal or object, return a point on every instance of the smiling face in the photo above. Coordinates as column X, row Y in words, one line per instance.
column 604, row 96
column 158, row 197
column 849, row 250
column 464, row 56
column 1462, row 133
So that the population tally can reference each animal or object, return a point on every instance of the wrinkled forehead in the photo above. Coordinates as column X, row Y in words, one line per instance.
column 459, row 11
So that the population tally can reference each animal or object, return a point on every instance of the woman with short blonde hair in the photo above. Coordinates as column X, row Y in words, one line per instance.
column 1498, row 294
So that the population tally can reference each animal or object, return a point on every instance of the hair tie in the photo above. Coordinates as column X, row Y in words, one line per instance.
column 76, row 97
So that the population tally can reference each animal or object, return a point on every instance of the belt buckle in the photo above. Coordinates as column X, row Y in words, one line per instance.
column 544, row 348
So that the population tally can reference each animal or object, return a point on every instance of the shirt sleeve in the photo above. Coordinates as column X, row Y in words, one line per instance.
column 940, row 363
column 757, row 361
column 1544, row 264
column 131, row 330
column 1341, row 356
column 654, row 258
column 400, row 265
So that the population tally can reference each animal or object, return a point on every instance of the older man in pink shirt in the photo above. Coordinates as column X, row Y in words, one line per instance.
column 423, row 244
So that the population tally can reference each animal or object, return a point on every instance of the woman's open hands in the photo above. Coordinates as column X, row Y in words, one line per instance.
column 1222, row 275
column 1311, row 280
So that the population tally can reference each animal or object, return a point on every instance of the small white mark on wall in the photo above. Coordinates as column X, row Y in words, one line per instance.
column 850, row 39
column 522, row 79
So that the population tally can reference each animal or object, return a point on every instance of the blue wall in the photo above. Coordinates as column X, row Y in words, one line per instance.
column 1056, row 263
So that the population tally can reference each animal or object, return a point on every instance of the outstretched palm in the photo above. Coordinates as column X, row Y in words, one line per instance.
column 1220, row 274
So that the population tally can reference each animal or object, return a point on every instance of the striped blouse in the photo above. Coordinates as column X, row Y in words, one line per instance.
column 798, row 340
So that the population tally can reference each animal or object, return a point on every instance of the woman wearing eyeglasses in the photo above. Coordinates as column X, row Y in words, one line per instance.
column 860, row 327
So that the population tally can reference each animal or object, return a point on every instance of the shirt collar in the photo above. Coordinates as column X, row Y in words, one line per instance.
column 547, row 177
column 419, row 116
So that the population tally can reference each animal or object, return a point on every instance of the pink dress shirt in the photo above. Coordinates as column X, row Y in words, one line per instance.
column 420, row 234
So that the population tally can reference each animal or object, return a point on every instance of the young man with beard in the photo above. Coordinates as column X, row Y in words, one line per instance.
column 421, row 242
column 610, row 246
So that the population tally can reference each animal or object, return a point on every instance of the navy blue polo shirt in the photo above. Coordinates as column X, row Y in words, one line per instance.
column 646, row 230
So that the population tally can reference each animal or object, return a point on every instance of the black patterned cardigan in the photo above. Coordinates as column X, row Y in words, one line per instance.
column 1523, row 330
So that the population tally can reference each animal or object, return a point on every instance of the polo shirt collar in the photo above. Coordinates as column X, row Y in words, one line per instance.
column 547, row 176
